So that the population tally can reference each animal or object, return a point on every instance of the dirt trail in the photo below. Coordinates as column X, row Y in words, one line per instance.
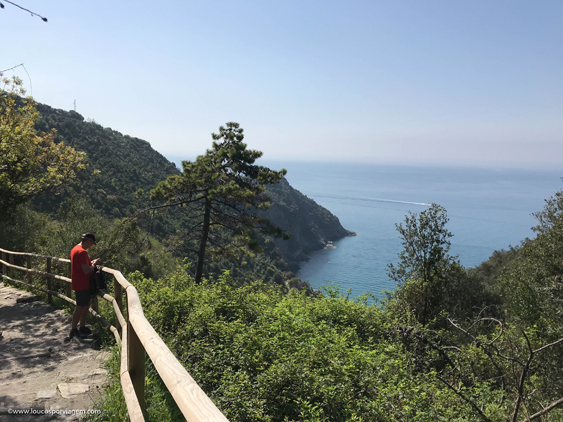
column 40, row 367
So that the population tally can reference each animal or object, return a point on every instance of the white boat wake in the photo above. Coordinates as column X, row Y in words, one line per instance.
column 393, row 201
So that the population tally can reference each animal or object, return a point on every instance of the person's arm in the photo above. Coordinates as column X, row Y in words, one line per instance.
column 87, row 268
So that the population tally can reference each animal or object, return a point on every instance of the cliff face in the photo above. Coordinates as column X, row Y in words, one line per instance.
column 310, row 225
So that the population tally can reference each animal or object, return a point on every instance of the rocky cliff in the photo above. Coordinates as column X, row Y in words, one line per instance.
column 310, row 225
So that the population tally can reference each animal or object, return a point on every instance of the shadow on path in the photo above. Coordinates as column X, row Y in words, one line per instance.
column 40, row 366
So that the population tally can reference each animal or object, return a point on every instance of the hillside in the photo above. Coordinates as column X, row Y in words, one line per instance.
column 311, row 226
column 120, row 165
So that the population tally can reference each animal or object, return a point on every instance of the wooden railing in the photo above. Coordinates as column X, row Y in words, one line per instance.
column 137, row 338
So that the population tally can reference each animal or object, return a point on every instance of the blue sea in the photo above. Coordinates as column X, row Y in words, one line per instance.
column 489, row 209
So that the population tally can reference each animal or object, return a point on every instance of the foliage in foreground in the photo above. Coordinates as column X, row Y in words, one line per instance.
column 262, row 354
column 265, row 355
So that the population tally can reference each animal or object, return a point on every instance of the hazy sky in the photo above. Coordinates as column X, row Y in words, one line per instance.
column 458, row 82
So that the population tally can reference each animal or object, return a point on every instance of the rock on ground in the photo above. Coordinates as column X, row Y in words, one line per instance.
column 40, row 367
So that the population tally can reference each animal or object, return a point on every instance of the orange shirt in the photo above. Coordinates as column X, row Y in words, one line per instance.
column 79, row 256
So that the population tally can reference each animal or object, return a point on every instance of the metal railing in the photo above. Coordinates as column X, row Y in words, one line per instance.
column 136, row 337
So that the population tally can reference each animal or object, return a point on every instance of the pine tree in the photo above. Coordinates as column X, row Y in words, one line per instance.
column 223, row 192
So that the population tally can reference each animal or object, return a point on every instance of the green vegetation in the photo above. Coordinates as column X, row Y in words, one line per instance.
column 118, row 167
column 425, row 269
column 30, row 163
column 263, row 354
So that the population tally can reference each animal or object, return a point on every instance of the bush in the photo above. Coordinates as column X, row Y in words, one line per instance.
column 262, row 354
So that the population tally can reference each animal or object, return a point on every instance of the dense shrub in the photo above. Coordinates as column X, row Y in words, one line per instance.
column 262, row 354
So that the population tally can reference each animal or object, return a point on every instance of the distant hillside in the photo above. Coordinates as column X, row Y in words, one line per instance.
column 119, row 165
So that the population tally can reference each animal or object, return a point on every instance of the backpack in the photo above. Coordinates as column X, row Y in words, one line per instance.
column 97, row 281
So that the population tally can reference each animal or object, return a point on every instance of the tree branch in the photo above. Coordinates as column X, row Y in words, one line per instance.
column 467, row 400
column 522, row 379
column 549, row 345
column 545, row 410
column 167, row 205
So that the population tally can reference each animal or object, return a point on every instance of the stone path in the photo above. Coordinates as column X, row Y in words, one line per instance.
column 40, row 367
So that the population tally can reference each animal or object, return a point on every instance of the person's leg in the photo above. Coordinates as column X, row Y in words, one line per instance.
column 82, row 305
column 83, row 315
column 86, row 299
column 76, row 316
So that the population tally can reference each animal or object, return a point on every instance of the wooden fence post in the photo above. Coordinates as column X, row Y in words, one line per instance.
column 118, row 296
column 11, row 263
column 69, row 285
column 136, row 364
column 4, row 267
column 29, row 278
column 49, row 281
column 94, row 298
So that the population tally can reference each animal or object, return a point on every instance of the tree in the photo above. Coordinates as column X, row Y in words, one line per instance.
column 487, row 360
column 531, row 285
column 552, row 212
column 222, row 192
column 30, row 163
column 424, row 262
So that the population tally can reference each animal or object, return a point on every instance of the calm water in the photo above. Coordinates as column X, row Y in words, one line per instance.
column 489, row 209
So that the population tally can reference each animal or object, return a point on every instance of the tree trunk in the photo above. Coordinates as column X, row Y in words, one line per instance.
column 425, row 292
column 203, row 242
column 425, row 309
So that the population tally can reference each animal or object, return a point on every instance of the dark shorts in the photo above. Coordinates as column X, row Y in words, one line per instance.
column 82, row 297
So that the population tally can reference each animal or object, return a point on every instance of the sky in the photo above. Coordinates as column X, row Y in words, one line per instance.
column 428, row 82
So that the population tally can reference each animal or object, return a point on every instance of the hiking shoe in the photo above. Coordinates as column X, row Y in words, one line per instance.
column 75, row 333
column 85, row 330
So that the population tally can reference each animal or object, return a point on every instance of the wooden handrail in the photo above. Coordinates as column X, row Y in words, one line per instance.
column 34, row 255
column 32, row 271
column 137, row 337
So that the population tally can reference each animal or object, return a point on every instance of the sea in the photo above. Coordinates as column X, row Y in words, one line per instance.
column 488, row 208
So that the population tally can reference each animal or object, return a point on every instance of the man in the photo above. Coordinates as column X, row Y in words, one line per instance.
column 80, row 269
